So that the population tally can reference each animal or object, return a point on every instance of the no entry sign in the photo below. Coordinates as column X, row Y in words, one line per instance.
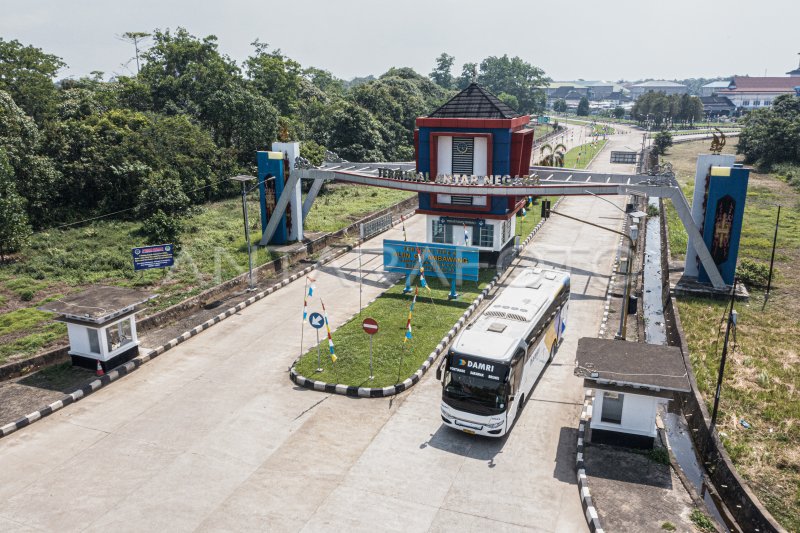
column 370, row 326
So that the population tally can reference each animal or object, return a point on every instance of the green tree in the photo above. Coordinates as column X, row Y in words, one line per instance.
column 162, row 205
column 441, row 74
column 242, row 120
column 469, row 74
column 583, row 107
column 772, row 135
column 27, row 74
column 136, row 38
column 14, row 227
column 560, row 106
column 182, row 72
column 513, row 76
column 509, row 99
column 356, row 134
column 619, row 112
column 662, row 141
column 34, row 173
column 275, row 77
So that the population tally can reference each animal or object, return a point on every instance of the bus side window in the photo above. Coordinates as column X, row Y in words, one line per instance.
column 517, row 364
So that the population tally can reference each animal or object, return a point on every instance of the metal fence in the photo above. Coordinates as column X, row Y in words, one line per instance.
column 377, row 225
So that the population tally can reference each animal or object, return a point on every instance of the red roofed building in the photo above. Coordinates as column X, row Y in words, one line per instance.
column 755, row 92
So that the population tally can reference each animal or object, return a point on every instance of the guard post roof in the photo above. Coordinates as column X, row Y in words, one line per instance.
column 98, row 304
column 503, row 327
column 631, row 364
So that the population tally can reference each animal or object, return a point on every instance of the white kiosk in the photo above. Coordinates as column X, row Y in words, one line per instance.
column 630, row 380
column 101, row 325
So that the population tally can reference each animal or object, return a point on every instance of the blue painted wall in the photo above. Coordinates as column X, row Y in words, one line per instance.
column 735, row 188
column 271, row 167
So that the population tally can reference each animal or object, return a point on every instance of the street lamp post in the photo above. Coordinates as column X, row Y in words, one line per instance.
column 244, row 179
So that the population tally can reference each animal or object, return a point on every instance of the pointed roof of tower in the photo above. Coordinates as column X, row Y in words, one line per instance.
column 475, row 102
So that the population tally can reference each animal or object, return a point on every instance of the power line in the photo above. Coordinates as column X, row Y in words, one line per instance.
column 76, row 223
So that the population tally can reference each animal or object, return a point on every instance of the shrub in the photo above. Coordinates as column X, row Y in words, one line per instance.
column 161, row 228
column 752, row 273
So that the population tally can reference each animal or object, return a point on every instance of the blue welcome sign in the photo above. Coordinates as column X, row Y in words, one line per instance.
column 449, row 261
column 148, row 257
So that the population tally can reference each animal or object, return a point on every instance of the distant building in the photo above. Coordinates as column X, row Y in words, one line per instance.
column 710, row 89
column 748, row 93
column 717, row 106
column 560, row 90
column 657, row 86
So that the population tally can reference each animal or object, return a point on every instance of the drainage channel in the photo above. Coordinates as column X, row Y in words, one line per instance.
column 655, row 333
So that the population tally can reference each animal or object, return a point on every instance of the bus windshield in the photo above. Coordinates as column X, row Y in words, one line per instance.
column 469, row 392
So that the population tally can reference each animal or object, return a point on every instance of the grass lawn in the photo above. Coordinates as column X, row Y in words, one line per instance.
column 58, row 262
column 762, row 375
column 433, row 317
column 525, row 225
column 580, row 156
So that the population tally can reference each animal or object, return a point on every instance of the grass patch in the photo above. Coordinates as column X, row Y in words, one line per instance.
column 45, row 335
column 213, row 250
column 581, row 156
column 701, row 521
column 22, row 319
column 762, row 374
column 342, row 205
column 526, row 224
column 434, row 315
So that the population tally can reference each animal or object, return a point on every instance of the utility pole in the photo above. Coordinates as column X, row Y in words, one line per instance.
column 244, row 179
column 772, row 258
column 731, row 322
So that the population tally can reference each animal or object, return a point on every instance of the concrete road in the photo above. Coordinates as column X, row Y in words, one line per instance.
column 213, row 436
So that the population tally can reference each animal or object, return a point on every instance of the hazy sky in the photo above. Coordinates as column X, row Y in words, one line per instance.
column 579, row 39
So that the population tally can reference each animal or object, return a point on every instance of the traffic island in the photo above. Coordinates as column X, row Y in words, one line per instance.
column 441, row 311
column 397, row 362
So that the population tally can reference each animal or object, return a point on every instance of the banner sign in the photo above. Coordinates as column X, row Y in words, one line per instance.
column 148, row 257
column 452, row 262
column 470, row 366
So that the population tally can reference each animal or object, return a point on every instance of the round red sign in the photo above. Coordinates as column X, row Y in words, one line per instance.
column 370, row 326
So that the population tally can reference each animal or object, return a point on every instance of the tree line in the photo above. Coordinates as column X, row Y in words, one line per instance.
column 151, row 144
column 666, row 111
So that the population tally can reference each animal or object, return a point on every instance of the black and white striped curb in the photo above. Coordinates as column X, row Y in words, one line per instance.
column 589, row 511
column 383, row 392
column 132, row 365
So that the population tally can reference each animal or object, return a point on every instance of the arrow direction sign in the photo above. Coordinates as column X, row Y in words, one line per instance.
column 316, row 320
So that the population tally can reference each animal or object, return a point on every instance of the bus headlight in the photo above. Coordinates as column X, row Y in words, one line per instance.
column 494, row 423
column 446, row 411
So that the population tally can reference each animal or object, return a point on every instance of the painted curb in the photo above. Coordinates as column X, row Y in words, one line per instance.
column 132, row 365
column 383, row 392
column 589, row 510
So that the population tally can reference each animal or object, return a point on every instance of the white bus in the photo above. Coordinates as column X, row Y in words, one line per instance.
column 494, row 363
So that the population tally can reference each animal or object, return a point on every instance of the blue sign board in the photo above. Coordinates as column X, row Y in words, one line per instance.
column 148, row 257
column 442, row 260
column 316, row 320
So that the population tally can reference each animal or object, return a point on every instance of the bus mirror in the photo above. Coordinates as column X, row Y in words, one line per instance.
column 439, row 374
column 510, row 398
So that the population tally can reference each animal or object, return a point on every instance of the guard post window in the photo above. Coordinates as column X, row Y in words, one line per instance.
column 612, row 407
column 119, row 334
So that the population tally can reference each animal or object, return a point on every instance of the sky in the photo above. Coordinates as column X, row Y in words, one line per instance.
column 581, row 39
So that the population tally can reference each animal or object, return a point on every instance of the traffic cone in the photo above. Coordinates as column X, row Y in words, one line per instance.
column 99, row 371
